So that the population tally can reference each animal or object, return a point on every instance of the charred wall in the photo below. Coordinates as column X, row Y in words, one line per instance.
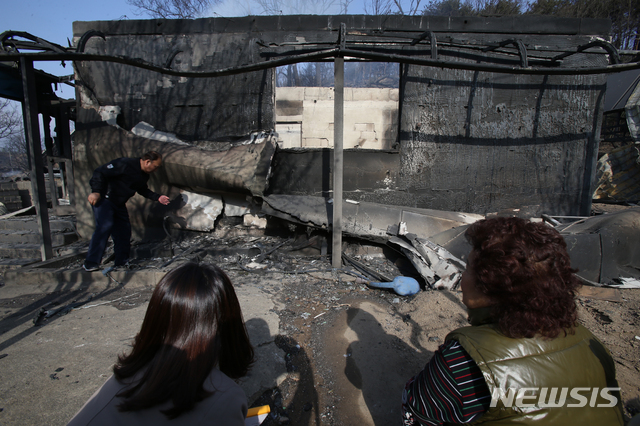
column 477, row 141
column 480, row 142
column 302, row 171
column 472, row 141
column 191, row 108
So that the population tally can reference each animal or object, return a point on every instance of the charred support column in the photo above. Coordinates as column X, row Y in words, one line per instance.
column 48, row 145
column 32, row 133
column 338, row 132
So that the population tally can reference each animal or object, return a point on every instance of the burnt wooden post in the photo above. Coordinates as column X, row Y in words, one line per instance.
column 48, row 144
column 32, row 134
column 338, row 133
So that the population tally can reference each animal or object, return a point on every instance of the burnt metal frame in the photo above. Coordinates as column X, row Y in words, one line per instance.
column 9, row 50
column 522, row 50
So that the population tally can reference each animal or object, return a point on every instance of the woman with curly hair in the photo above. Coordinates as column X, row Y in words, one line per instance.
column 525, row 358
column 192, row 343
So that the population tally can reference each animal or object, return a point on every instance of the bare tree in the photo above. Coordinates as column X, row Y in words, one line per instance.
column 12, row 136
column 344, row 6
column 392, row 7
column 298, row 7
column 378, row 7
column 16, row 148
column 10, row 119
column 411, row 9
column 500, row 7
column 624, row 14
column 475, row 7
column 172, row 9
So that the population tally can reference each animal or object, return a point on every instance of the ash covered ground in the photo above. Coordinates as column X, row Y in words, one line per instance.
column 342, row 351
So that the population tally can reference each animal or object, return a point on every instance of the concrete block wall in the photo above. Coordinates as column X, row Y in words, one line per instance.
column 10, row 196
column 304, row 117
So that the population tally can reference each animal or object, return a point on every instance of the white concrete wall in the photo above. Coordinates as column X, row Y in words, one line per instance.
column 370, row 117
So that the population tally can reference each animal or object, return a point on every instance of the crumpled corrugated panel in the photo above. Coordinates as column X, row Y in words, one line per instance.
column 632, row 108
column 618, row 175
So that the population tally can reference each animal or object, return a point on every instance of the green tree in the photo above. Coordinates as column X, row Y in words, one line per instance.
column 624, row 14
column 449, row 8
column 474, row 7
column 500, row 7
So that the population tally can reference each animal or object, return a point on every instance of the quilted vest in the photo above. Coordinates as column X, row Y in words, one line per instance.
column 578, row 360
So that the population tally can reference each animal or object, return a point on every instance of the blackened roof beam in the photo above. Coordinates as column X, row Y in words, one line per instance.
column 53, row 52
column 432, row 41
column 9, row 43
column 614, row 56
column 522, row 50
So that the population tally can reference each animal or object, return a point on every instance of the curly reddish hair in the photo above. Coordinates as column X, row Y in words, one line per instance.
column 525, row 269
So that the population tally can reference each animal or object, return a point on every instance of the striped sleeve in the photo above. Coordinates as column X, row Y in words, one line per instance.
column 450, row 389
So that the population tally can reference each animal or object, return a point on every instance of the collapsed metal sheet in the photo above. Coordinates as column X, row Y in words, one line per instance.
column 632, row 109
column 619, row 237
column 602, row 248
column 436, row 265
column 243, row 168
column 362, row 219
column 444, row 265
column 585, row 251
column 605, row 249
column 416, row 259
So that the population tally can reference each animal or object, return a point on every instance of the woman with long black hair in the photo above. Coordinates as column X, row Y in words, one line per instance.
column 192, row 343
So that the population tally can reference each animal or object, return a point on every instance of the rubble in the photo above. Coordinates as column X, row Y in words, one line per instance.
column 618, row 175
column 319, row 357
column 605, row 248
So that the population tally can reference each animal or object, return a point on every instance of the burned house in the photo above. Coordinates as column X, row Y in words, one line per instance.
column 492, row 113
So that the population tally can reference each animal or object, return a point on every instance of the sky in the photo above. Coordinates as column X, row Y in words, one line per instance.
column 53, row 21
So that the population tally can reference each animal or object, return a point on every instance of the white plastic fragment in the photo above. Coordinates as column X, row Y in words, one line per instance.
column 627, row 283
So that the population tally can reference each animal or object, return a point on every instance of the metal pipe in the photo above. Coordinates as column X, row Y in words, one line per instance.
column 321, row 54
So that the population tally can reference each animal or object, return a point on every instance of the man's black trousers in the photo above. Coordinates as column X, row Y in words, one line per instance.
column 111, row 220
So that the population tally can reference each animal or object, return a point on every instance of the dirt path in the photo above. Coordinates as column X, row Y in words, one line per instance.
column 330, row 351
column 350, row 350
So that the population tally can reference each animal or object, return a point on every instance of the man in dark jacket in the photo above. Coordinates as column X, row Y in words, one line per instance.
column 112, row 184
